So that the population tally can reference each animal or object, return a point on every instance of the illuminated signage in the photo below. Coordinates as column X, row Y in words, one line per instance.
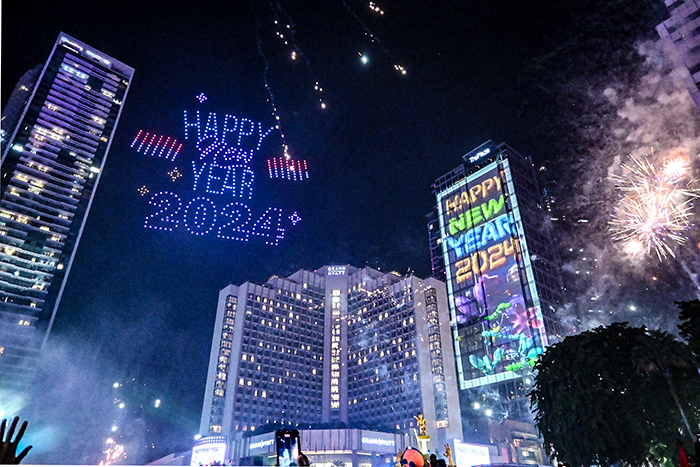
column 262, row 444
column 469, row 455
column 216, row 194
column 499, row 326
column 480, row 154
column 209, row 454
column 377, row 442
column 336, row 270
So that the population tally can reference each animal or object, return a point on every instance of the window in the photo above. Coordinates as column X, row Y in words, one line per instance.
column 675, row 5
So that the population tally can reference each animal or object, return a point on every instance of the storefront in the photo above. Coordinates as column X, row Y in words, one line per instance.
column 325, row 448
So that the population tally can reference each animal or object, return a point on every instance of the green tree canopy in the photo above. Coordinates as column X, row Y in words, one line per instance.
column 616, row 394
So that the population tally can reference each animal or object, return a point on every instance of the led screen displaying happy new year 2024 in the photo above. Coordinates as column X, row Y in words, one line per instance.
column 499, row 329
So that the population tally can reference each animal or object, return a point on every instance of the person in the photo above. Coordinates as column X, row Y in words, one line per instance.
column 696, row 456
column 684, row 461
column 435, row 462
column 8, row 448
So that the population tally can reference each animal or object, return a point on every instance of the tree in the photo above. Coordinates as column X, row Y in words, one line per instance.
column 615, row 394
column 661, row 355
column 690, row 326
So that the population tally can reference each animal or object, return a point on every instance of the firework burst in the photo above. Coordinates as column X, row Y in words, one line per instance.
column 656, row 206
column 113, row 454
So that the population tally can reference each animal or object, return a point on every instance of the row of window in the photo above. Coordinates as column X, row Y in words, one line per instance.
column 229, row 319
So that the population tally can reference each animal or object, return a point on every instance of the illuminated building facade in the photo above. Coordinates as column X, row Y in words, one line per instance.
column 491, row 233
column 338, row 346
column 683, row 30
column 325, row 447
column 57, row 130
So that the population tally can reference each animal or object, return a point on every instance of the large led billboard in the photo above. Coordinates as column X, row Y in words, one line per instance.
column 469, row 455
column 494, row 303
column 209, row 454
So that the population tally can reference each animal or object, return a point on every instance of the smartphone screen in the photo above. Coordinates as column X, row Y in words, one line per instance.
column 287, row 447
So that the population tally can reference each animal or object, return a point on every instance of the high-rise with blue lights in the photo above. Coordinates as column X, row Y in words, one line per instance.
column 57, row 128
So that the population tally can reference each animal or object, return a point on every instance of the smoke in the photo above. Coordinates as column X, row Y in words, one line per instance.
column 67, row 409
column 660, row 112
column 651, row 115
column 80, row 398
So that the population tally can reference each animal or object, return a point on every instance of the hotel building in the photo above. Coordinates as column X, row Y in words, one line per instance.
column 335, row 347
column 57, row 128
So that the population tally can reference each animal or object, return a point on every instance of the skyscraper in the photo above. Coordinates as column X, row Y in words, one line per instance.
column 490, row 238
column 336, row 346
column 683, row 29
column 57, row 128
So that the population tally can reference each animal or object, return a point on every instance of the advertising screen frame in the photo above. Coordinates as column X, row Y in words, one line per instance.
column 205, row 454
column 469, row 455
column 492, row 295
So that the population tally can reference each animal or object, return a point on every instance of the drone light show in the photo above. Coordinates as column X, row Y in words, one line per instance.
column 168, row 149
column 213, row 186
column 281, row 167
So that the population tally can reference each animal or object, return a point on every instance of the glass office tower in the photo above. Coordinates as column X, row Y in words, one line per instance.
column 491, row 242
column 57, row 128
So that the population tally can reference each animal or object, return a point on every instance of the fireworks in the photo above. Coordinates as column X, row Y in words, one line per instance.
column 373, row 6
column 656, row 206
column 675, row 169
column 114, row 452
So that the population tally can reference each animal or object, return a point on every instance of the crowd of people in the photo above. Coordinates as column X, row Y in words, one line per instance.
column 411, row 457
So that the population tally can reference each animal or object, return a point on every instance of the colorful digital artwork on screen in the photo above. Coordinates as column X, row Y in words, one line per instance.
column 499, row 329
column 209, row 166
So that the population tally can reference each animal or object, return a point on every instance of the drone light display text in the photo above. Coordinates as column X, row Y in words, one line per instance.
column 241, row 130
column 221, row 149
column 280, row 167
column 156, row 141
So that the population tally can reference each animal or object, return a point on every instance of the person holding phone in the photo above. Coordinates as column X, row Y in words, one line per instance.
column 288, row 449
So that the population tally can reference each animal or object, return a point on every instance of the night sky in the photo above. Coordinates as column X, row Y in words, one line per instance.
column 140, row 303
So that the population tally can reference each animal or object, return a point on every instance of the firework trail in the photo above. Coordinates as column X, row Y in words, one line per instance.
column 281, row 16
column 271, row 96
column 655, row 210
column 374, row 39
